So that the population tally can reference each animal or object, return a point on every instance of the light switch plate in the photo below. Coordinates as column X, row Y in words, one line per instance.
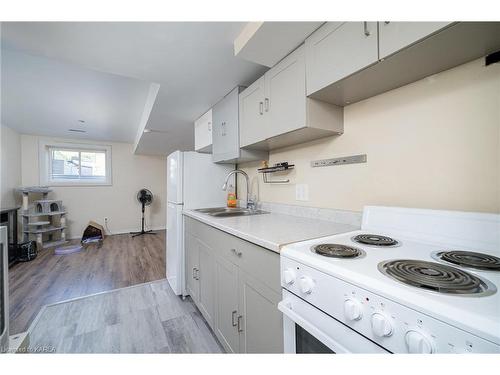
column 302, row 192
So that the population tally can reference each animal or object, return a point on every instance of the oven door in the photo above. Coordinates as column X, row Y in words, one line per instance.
column 309, row 330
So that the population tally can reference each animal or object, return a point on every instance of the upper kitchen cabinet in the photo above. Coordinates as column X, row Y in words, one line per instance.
column 337, row 50
column 252, row 121
column 344, row 67
column 285, row 101
column 394, row 36
column 275, row 112
column 203, row 133
column 226, row 132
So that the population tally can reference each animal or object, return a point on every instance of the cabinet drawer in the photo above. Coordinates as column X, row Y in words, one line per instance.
column 221, row 243
column 261, row 263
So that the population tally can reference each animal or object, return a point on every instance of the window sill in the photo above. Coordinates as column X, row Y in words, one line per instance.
column 77, row 184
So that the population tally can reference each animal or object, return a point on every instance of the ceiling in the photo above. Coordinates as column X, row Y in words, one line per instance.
column 47, row 97
column 193, row 62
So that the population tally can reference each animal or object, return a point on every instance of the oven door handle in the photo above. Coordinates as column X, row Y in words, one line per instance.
column 286, row 308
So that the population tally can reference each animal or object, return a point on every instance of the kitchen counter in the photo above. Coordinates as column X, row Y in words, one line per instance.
column 273, row 230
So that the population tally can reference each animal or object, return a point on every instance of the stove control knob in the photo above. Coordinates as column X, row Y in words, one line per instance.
column 418, row 343
column 352, row 309
column 289, row 276
column 381, row 325
column 306, row 284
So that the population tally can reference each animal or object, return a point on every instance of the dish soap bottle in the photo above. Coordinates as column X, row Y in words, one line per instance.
column 231, row 197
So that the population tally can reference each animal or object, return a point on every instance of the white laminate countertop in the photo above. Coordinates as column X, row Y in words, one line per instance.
column 273, row 230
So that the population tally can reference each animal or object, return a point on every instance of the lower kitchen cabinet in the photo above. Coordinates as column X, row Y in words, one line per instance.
column 236, row 286
column 192, row 266
column 206, row 300
column 200, row 265
column 226, row 328
column 261, row 323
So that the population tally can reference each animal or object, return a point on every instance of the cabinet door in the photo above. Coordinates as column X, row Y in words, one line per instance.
column 226, row 327
column 203, row 132
column 192, row 266
column 225, row 131
column 337, row 50
column 285, row 101
column 394, row 36
column 261, row 325
column 253, row 127
column 207, row 283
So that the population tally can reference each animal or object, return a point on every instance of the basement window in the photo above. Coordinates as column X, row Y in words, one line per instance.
column 70, row 164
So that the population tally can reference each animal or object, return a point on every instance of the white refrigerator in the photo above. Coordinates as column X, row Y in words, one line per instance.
column 193, row 181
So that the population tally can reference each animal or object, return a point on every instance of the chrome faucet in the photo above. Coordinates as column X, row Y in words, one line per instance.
column 250, row 202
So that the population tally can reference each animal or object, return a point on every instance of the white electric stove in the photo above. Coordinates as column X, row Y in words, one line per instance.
column 410, row 281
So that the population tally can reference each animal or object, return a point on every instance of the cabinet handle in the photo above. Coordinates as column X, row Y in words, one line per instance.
column 233, row 315
column 367, row 32
column 387, row 22
column 223, row 128
column 197, row 274
column 194, row 273
column 261, row 108
column 209, row 126
column 240, row 328
column 266, row 102
column 237, row 253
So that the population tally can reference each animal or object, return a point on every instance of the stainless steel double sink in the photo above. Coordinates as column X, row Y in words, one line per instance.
column 229, row 212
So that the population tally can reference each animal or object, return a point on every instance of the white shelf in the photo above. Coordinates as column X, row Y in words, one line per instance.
column 43, row 230
column 38, row 223
column 44, row 214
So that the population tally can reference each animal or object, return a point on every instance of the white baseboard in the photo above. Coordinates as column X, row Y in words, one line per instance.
column 123, row 231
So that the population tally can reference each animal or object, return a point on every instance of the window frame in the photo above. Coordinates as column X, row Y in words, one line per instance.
column 45, row 149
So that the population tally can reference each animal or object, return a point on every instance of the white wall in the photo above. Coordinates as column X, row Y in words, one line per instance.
column 431, row 144
column 10, row 166
column 117, row 202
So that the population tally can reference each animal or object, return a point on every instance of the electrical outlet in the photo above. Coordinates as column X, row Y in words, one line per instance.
column 302, row 192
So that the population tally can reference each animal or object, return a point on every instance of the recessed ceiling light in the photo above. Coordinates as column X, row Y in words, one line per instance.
column 82, row 121
column 77, row 130
column 155, row 131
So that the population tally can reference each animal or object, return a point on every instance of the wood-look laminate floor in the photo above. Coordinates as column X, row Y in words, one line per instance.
column 146, row 318
column 121, row 261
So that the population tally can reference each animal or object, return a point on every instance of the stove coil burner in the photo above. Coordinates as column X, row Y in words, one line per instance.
column 337, row 251
column 375, row 240
column 436, row 277
column 469, row 259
